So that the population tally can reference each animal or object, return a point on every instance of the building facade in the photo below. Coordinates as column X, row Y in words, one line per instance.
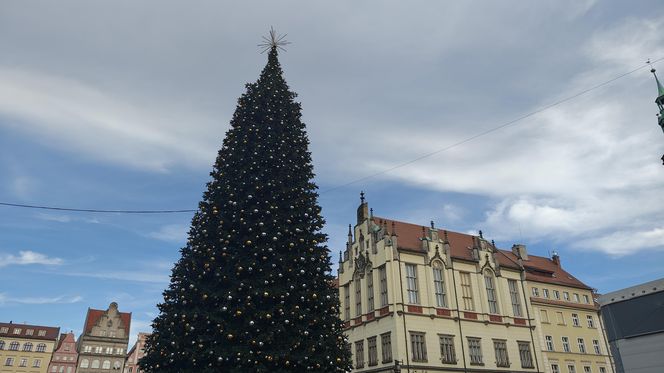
column 103, row 344
column 634, row 319
column 65, row 355
column 135, row 354
column 26, row 348
column 418, row 299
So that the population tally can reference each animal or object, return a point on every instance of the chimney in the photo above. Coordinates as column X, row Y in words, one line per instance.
column 555, row 258
column 520, row 251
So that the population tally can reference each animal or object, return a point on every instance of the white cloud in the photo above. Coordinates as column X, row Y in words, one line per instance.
column 62, row 299
column 28, row 257
column 77, row 116
column 171, row 233
column 625, row 241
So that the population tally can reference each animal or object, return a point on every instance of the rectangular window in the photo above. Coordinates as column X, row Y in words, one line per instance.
column 439, row 287
column 571, row 368
column 565, row 295
column 346, row 303
column 359, row 354
column 386, row 347
column 575, row 320
column 576, row 298
column 500, row 348
column 586, row 300
column 586, row 369
column 98, row 349
column 514, row 296
column 545, row 293
column 36, row 363
column 565, row 344
column 9, row 362
column 411, row 284
column 549, row 343
column 591, row 321
column 544, row 316
column 598, row 351
column 358, row 297
column 418, row 346
column 382, row 273
column 560, row 318
column 582, row 345
column 535, row 292
column 556, row 294
column 491, row 293
column 475, row 351
column 602, row 370
column 525, row 355
column 554, row 368
column 23, row 362
column 4, row 329
column 17, row 331
column 370, row 292
column 447, row 354
column 41, row 333
column 466, row 291
column 373, row 351
column 29, row 331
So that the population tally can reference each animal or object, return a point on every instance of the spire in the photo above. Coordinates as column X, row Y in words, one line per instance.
column 660, row 88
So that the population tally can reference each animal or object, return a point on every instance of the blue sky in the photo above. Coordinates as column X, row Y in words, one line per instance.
column 124, row 105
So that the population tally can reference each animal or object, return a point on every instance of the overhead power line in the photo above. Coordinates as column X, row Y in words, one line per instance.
column 375, row 174
column 95, row 210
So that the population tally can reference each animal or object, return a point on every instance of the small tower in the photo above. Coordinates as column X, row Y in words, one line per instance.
column 660, row 103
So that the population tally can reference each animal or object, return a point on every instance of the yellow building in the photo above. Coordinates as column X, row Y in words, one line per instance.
column 26, row 348
column 570, row 331
column 420, row 299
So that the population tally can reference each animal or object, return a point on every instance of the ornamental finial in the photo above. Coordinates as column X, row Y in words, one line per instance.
column 274, row 40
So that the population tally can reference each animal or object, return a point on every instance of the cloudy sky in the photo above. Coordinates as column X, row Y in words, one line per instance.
column 123, row 105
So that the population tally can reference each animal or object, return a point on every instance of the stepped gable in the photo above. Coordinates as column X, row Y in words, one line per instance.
column 537, row 268
column 94, row 315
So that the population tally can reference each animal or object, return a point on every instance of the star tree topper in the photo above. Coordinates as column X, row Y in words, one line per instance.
column 273, row 41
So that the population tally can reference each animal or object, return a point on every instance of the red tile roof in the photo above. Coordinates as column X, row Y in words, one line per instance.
column 93, row 316
column 539, row 269
column 52, row 333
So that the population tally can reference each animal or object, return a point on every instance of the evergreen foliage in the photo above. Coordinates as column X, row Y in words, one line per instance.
column 252, row 291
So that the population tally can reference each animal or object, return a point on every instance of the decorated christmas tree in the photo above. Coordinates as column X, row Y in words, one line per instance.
column 252, row 291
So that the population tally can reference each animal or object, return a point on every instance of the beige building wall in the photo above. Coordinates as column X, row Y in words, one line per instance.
column 23, row 348
column 556, row 313
column 364, row 258
column 103, row 345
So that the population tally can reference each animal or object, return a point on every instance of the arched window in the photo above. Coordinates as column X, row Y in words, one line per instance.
column 491, row 291
column 41, row 347
column 106, row 364
column 69, row 369
column 85, row 363
column 27, row 346
column 439, row 284
column 2, row 344
column 54, row 369
column 13, row 346
column 95, row 364
column 62, row 369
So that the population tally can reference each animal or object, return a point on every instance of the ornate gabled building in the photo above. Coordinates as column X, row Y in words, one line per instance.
column 418, row 298
column 26, row 348
column 103, row 344
column 65, row 355
column 135, row 354
column 660, row 102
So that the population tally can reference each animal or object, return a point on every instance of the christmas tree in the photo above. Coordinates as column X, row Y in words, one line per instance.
column 252, row 290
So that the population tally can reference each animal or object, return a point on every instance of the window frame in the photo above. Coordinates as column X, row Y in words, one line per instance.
column 418, row 346
column 514, row 297
column 382, row 274
column 447, row 350
column 412, row 289
column 566, row 346
column 358, row 297
column 491, row 293
column 372, row 349
column 596, row 347
column 550, row 346
column 359, row 354
column 575, row 320
column 475, row 350
column 581, row 343
column 370, row 292
column 525, row 354
column 500, row 351
column 466, row 291
column 386, row 347
column 439, row 285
